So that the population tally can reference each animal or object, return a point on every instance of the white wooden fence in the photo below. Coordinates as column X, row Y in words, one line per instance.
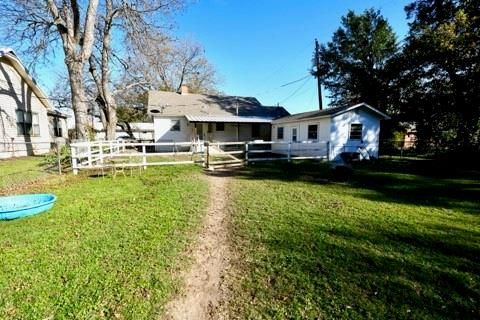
column 122, row 154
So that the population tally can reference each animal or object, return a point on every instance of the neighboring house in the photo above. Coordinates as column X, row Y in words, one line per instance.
column 28, row 123
column 180, row 117
column 340, row 129
column 142, row 131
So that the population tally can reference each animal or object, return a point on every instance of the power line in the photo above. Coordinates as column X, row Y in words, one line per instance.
column 295, row 81
column 296, row 91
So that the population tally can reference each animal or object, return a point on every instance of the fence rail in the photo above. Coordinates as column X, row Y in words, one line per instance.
column 126, row 154
column 123, row 154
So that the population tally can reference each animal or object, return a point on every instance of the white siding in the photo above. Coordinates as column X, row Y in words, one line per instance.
column 162, row 126
column 302, row 130
column 16, row 94
column 340, row 131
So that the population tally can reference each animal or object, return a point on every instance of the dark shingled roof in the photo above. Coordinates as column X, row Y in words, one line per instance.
column 328, row 112
column 163, row 103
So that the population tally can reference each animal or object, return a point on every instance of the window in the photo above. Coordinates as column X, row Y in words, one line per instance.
column 175, row 126
column 57, row 127
column 313, row 132
column 27, row 123
column 294, row 134
column 220, row 126
column 210, row 128
column 255, row 130
column 356, row 131
column 280, row 133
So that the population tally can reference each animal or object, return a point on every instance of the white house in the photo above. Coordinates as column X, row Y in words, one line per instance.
column 28, row 123
column 332, row 131
column 181, row 117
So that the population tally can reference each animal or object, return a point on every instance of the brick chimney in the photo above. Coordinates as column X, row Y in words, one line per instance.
column 183, row 89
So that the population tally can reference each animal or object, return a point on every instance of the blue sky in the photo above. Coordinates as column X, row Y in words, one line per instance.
column 257, row 46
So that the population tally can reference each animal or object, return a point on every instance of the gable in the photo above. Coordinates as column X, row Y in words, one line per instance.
column 15, row 77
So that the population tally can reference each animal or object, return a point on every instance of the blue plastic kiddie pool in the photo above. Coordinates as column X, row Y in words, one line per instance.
column 13, row 207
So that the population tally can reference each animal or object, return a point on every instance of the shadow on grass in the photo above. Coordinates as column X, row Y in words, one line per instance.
column 412, row 182
column 373, row 274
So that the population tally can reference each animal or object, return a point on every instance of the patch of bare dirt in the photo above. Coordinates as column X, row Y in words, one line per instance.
column 205, row 292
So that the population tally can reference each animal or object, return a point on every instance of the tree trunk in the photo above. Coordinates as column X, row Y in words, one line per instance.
column 79, row 104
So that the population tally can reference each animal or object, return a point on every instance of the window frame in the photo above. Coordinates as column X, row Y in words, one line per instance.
column 27, row 128
column 296, row 134
column 176, row 126
column 316, row 131
column 282, row 130
column 356, row 132
column 57, row 128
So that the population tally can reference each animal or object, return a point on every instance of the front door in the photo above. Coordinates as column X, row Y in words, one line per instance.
column 294, row 134
column 199, row 127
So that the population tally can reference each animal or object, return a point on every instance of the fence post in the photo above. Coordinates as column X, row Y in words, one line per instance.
column 202, row 153
column 74, row 159
column 144, row 158
column 207, row 144
column 328, row 150
column 59, row 161
column 246, row 152
column 100, row 145
column 13, row 147
column 89, row 155
column 289, row 155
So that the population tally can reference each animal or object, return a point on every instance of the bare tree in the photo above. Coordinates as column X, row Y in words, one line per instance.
column 135, row 20
column 78, row 26
column 167, row 64
column 42, row 25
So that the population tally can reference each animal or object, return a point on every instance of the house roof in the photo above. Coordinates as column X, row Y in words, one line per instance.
column 12, row 59
column 329, row 112
column 229, row 119
column 168, row 104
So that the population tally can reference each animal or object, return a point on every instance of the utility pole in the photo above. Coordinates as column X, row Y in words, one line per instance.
column 319, row 83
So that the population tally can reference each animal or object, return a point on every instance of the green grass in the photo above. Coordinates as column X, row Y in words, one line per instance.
column 21, row 170
column 398, row 240
column 108, row 249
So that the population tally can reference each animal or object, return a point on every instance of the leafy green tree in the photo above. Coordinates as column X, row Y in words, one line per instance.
column 440, row 81
column 354, row 64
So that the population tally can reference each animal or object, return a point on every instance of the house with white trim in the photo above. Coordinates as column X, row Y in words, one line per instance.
column 29, row 125
column 184, row 116
column 353, row 128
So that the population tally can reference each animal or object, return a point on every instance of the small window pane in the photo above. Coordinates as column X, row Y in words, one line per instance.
column 356, row 131
column 28, row 117
column 20, row 129
column 20, row 118
column 36, row 130
column 220, row 126
column 35, row 118
column 175, row 126
column 280, row 133
column 313, row 132
column 294, row 134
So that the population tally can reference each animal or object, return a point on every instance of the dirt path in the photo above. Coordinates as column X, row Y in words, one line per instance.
column 205, row 294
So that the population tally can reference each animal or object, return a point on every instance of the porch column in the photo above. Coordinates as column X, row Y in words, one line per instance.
column 238, row 132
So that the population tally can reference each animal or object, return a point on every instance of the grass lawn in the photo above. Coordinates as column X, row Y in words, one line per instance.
column 108, row 249
column 398, row 240
column 21, row 170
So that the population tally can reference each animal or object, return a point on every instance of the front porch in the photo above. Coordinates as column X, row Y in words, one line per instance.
column 215, row 131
